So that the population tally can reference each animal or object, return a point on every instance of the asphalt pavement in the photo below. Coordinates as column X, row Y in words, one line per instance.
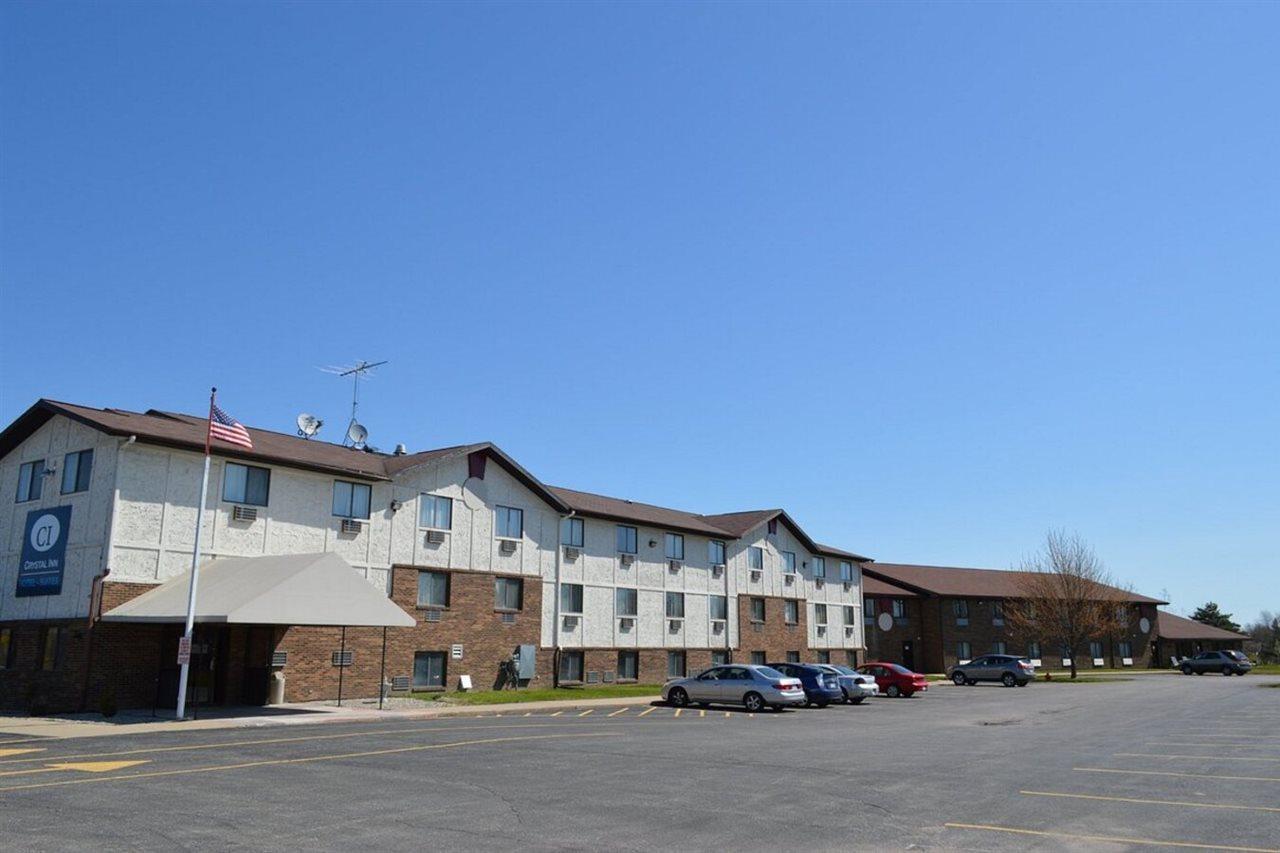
column 1175, row 762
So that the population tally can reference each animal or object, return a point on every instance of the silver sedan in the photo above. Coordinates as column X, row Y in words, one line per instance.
column 753, row 687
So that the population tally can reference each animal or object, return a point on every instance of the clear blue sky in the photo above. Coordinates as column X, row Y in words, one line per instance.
column 935, row 278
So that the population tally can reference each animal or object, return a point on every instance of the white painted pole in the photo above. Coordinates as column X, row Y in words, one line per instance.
column 195, row 579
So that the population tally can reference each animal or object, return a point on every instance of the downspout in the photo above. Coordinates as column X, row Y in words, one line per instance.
column 728, row 640
column 555, row 604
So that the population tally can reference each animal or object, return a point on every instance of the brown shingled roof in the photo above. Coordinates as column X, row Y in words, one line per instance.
column 875, row 586
column 1171, row 627
column 968, row 583
column 600, row 506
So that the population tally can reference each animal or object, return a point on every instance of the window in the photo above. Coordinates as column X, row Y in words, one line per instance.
column 428, row 670
column 1033, row 651
column 51, row 648
column 1125, row 649
column 675, row 664
column 962, row 650
column 757, row 658
column 76, row 469
column 572, row 532
column 846, row 571
column 960, row 607
column 999, row 648
column 899, row 607
column 433, row 589
column 719, row 607
column 625, row 601
column 997, row 613
column 850, row 615
column 1095, row 650
column 436, row 512
column 851, row 658
column 789, row 562
column 570, row 598
column 508, row 593
column 820, row 614
column 674, row 548
column 757, row 610
column 31, row 481
column 755, row 558
column 351, row 500
column 245, row 484
column 6, row 648
column 824, row 657
column 508, row 522
column 868, row 611
column 791, row 611
column 793, row 657
column 675, row 605
column 819, row 567
column 570, row 666
column 628, row 666
column 719, row 657
column 626, row 539
column 715, row 552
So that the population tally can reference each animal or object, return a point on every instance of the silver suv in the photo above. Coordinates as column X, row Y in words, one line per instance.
column 1009, row 670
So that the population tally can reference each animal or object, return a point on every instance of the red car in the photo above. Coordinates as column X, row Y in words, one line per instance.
column 895, row 680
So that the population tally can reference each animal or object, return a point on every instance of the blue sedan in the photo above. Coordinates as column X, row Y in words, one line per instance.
column 821, row 688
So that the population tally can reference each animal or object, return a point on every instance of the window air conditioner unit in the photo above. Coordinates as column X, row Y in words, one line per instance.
column 673, row 625
column 609, row 676
column 848, row 585
column 570, row 622
column 570, row 552
column 758, row 627
column 673, row 565
column 435, row 537
column 717, row 570
column 791, row 577
column 819, row 582
column 757, row 574
column 717, row 626
column 431, row 616
column 351, row 525
column 822, row 630
column 244, row 513
column 593, row 677
column 508, row 546
column 848, row 630
column 343, row 658
column 626, row 623
column 508, row 618
column 626, row 559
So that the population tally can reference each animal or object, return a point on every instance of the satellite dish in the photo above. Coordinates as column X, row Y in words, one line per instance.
column 308, row 425
column 357, row 434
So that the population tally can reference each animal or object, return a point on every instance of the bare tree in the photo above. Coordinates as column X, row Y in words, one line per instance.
column 1067, row 597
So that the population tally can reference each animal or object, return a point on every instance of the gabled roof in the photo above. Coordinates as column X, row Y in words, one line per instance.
column 876, row 587
column 971, row 583
column 1172, row 627
column 741, row 523
column 618, row 509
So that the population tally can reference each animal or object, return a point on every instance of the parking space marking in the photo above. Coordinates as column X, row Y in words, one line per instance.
column 557, row 713
column 702, row 713
column 647, row 711
column 308, row 759
column 1147, row 842
column 83, row 766
column 586, row 712
column 5, row 753
column 1231, row 806
column 1199, row 757
column 679, row 711
column 1175, row 773
column 619, row 711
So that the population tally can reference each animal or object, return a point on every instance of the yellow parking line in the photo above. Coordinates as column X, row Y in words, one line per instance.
column 727, row 714
column 584, row 713
column 619, row 711
column 557, row 713
column 702, row 713
column 1149, row 842
column 1198, row 757
column 5, row 753
column 679, row 711
column 1231, row 806
column 647, row 711
column 1184, row 775
column 306, row 759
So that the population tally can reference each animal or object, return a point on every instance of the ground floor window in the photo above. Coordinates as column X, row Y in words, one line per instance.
column 719, row 657
column 628, row 666
column 51, row 647
column 962, row 650
column 999, row 647
column 675, row 664
column 1033, row 651
column 1126, row 650
column 1095, row 650
column 429, row 670
column 571, row 666
column 758, row 658
column 6, row 648
column 851, row 658
column 508, row 593
column 824, row 657
column 793, row 657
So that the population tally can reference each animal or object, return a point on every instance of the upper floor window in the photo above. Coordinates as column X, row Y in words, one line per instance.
column 846, row 571
column 508, row 593
column 819, row 567
column 436, row 512
column 674, row 546
column 757, row 610
column 351, row 500
column 791, row 611
column 31, row 481
column 246, row 484
column 850, row 614
column 571, row 598
column 675, row 605
column 715, row 552
column 572, row 532
column 508, row 522
column 899, row 608
column 820, row 614
column 789, row 562
column 76, row 469
column 626, row 539
column 433, row 589
column 625, row 601
column 719, row 607
column 960, row 607
column 755, row 558
column 868, row 609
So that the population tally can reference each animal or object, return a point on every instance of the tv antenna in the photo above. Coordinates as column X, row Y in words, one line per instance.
column 356, row 433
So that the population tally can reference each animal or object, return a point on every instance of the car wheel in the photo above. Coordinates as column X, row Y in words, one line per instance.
column 893, row 692
column 959, row 679
column 754, row 702
column 1024, row 683
column 1186, row 669
column 678, row 697
column 1008, row 680
column 1226, row 670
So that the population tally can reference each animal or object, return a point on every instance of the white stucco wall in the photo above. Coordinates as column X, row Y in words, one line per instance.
column 90, row 511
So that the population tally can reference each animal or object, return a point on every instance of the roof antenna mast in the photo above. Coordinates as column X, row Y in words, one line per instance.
column 356, row 433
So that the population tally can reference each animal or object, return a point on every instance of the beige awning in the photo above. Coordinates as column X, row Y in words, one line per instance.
column 298, row 589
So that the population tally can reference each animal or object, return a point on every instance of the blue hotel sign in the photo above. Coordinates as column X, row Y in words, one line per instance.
column 44, row 552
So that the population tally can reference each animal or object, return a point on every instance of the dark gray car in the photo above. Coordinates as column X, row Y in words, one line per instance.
column 1227, row 663
column 1009, row 670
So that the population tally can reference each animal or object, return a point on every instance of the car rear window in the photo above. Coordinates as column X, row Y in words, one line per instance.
column 1236, row 655
column 899, row 668
column 769, row 672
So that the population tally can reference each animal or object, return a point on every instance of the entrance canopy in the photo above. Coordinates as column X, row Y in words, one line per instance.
column 298, row 589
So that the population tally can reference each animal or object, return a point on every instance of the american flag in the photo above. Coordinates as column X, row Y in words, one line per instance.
column 227, row 428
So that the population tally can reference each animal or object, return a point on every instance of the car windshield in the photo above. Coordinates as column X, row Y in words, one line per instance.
column 899, row 668
column 769, row 672
column 1236, row 655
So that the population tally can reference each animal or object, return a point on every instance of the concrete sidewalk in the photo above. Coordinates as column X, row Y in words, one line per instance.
column 18, row 729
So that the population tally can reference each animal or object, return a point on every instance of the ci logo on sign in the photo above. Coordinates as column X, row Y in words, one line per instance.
column 44, row 552
column 46, row 532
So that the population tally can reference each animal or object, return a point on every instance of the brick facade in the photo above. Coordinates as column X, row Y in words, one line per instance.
column 891, row 645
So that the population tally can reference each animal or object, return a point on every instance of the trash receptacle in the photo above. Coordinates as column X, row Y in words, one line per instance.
column 275, row 694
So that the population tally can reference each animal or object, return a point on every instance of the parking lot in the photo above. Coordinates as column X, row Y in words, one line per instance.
column 1157, row 761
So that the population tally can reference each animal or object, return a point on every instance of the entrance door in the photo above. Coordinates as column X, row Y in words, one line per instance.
column 909, row 654
column 257, row 665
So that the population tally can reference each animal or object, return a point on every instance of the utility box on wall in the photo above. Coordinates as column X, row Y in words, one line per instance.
column 528, row 665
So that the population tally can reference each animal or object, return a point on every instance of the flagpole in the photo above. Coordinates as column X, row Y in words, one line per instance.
column 195, row 567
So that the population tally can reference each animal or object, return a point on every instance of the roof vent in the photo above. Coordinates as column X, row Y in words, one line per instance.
column 401, row 450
